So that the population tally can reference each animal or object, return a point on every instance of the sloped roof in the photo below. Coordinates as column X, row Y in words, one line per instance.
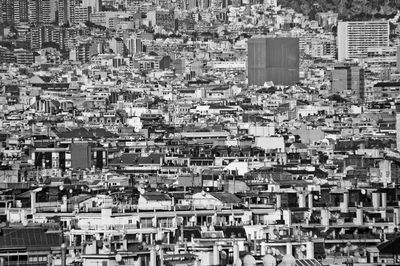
column 84, row 133
column 36, row 79
column 225, row 197
column 31, row 238
column 79, row 199
column 390, row 247
column 156, row 196
column 307, row 262
column 24, row 195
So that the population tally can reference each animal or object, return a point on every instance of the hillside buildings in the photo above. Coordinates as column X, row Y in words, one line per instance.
column 200, row 133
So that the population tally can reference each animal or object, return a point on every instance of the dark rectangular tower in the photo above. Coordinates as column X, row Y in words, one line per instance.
column 273, row 59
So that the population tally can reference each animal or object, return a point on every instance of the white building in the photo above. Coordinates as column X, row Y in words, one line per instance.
column 355, row 37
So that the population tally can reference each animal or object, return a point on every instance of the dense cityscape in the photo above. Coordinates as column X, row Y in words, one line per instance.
column 199, row 132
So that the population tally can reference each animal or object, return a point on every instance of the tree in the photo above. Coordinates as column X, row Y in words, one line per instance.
column 51, row 45
column 90, row 24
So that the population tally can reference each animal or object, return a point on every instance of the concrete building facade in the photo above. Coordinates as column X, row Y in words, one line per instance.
column 349, row 81
column 355, row 37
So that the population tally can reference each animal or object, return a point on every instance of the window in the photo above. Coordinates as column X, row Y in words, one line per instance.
column 33, row 259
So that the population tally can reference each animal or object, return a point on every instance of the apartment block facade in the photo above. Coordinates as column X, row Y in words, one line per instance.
column 355, row 37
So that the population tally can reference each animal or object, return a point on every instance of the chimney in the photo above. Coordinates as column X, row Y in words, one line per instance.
column 263, row 249
column 278, row 201
column 310, row 201
column 216, row 258
column 325, row 217
column 375, row 199
column 64, row 204
column 63, row 254
column 359, row 216
column 310, row 250
column 396, row 216
column 255, row 243
column 345, row 203
column 33, row 202
column 384, row 199
column 235, row 253
column 302, row 200
column 289, row 248
column 287, row 214
column 153, row 257
column 384, row 215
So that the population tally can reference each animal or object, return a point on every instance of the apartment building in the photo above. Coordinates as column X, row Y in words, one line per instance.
column 355, row 37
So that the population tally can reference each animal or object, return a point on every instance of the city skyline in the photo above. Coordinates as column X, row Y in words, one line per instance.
column 199, row 132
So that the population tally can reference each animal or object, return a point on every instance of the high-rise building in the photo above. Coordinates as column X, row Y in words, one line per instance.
column 273, row 59
column 53, row 11
column 20, row 11
column 191, row 4
column 14, row 11
column 81, row 52
column 66, row 12
column 36, row 38
column 117, row 45
column 76, row 11
column 134, row 45
column 43, row 34
column 81, row 14
column 348, row 81
column 40, row 12
column 165, row 19
column 7, row 9
column 95, row 5
column 204, row 4
column 355, row 37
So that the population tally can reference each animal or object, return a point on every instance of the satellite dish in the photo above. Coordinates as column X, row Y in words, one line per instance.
column 363, row 191
column 118, row 258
